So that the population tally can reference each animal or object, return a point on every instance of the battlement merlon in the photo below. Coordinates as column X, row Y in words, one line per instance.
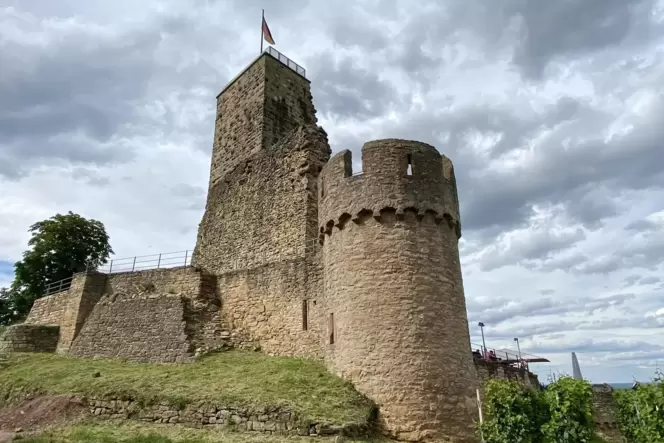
column 399, row 174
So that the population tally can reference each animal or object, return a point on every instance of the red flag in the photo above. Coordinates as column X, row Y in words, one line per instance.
column 267, row 35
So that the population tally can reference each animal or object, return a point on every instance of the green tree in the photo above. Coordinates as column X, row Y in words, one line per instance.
column 6, row 310
column 60, row 247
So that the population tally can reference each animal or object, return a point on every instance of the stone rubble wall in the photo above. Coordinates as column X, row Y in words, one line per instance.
column 265, row 209
column 29, row 338
column 265, row 305
column 184, row 280
column 604, row 413
column 48, row 310
column 144, row 329
column 487, row 370
column 270, row 420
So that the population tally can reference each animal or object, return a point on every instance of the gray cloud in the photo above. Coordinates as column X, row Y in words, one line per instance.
column 343, row 89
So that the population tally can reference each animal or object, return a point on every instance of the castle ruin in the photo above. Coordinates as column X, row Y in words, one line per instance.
column 298, row 256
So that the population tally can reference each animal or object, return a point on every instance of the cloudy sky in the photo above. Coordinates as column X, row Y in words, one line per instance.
column 551, row 112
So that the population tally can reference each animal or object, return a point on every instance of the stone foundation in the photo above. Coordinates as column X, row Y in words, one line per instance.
column 30, row 338
column 270, row 420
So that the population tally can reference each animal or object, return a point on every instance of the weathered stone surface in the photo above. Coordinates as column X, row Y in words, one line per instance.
column 48, row 310
column 487, row 370
column 274, row 420
column 266, row 305
column 29, row 338
column 604, row 413
column 139, row 329
column 393, row 291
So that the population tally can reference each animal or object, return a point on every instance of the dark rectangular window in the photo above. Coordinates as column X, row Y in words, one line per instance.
column 330, row 328
column 305, row 315
column 409, row 171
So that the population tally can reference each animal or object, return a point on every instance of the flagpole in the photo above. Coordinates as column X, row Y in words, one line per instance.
column 262, row 21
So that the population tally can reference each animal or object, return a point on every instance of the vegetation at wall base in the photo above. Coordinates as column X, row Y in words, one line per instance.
column 570, row 404
column 641, row 412
column 232, row 378
column 516, row 413
column 562, row 413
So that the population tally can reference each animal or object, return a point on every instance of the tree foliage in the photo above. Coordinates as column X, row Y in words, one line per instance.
column 641, row 412
column 59, row 247
column 6, row 310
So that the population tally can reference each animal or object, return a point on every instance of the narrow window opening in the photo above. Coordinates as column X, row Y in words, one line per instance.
column 409, row 171
column 322, row 187
column 331, row 329
column 305, row 315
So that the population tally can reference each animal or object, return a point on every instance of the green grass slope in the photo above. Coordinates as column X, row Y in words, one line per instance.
column 125, row 432
column 233, row 378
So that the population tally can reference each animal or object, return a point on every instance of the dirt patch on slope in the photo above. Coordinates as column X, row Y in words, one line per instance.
column 37, row 413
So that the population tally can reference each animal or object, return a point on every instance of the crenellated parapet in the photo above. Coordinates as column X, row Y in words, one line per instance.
column 399, row 176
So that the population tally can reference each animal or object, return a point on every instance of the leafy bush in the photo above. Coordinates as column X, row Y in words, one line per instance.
column 570, row 404
column 515, row 413
column 562, row 413
column 641, row 412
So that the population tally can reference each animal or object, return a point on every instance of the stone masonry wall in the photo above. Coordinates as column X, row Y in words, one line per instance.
column 182, row 280
column 85, row 291
column 29, row 338
column 48, row 310
column 146, row 329
column 264, row 103
column 268, row 420
column 267, row 306
column 265, row 210
column 604, row 413
column 488, row 370
column 393, row 290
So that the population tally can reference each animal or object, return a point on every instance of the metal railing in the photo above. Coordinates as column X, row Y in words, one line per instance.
column 183, row 259
column 286, row 61
column 144, row 262
column 493, row 354
column 58, row 286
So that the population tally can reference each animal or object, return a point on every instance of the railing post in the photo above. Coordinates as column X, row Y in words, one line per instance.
column 110, row 267
column 159, row 261
column 60, row 288
column 186, row 255
column 133, row 266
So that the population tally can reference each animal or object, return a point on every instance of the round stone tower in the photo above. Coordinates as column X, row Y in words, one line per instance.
column 396, row 314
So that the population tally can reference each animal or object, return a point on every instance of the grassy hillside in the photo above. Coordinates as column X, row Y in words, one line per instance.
column 234, row 378
column 126, row 432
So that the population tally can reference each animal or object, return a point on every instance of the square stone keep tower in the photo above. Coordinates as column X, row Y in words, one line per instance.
column 267, row 154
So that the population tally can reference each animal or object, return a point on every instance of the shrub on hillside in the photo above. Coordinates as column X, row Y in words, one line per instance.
column 562, row 413
column 570, row 404
column 641, row 412
column 515, row 413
